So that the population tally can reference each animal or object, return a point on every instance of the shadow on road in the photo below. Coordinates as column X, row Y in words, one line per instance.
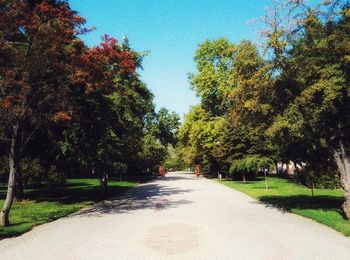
column 148, row 196
column 169, row 177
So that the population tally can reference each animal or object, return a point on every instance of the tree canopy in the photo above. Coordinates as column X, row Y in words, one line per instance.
column 289, row 104
column 67, row 109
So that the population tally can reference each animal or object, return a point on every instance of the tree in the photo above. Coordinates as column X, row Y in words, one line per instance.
column 159, row 133
column 214, row 78
column 168, row 124
column 44, row 67
column 34, row 38
column 108, row 126
column 250, row 101
column 200, row 133
column 315, row 77
column 175, row 159
column 252, row 164
column 153, row 153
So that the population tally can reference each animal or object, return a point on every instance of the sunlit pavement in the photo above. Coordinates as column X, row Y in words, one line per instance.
column 179, row 217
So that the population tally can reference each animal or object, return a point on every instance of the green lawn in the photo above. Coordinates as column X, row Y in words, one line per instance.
column 43, row 205
column 324, row 207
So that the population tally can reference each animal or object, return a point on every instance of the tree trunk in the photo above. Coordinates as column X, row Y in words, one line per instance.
column 244, row 179
column 266, row 184
column 287, row 168
column 276, row 164
column 11, row 185
column 104, row 184
column 343, row 163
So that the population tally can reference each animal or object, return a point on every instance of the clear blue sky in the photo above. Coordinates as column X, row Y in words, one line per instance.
column 171, row 30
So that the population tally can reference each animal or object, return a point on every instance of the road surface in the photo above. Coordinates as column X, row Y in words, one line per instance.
column 179, row 217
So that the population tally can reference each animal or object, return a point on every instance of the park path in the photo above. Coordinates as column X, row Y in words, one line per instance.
column 179, row 217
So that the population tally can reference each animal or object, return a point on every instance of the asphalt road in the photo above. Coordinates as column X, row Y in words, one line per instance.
column 179, row 217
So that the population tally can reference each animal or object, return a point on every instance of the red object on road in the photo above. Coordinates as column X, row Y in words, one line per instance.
column 162, row 170
column 198, row 170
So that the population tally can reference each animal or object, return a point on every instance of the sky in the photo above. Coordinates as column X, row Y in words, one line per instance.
column 171, row 30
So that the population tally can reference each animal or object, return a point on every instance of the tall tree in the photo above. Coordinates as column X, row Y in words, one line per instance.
column 200, row 133
column 315, row 79
column 34, row 38
column 43, row 67
column 249, row 102
column 168, row 124
column 214, row 78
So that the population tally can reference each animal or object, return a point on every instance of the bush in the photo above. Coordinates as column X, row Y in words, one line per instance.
column 35, row 172
column 249, row 165
column 3, row 169
column 32, row 171
column 326, row 178
column 55, row 177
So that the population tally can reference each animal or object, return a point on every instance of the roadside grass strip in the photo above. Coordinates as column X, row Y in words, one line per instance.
column 324, row 207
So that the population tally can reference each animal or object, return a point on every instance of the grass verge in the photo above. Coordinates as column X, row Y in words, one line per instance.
column 43, row 205
column 324, row 207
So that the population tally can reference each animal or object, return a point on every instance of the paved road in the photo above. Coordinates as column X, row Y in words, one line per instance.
column 179, row 217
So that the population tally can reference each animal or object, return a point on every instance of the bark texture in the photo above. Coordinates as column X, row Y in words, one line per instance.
column 11, row 185
column 244, row 179
column 266, row 183
column 342, row 160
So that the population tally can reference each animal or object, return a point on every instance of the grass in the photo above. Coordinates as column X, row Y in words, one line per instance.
column 324, row 207
column 45, row 204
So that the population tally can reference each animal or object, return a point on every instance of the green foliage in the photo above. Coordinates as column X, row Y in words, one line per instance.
column 3, row 168
column 214, row 77
column 153, row 154
column 70, row 109
column 251, row 164
column 175, row 159
column 324, row 177
column 234, row 83
column 158, row 133
column 54, row 176
column 33, row 171
column 200, row 134
column 293, row 106
column 167, row 124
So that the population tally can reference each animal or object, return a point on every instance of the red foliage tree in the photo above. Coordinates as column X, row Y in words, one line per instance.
column 41, row 63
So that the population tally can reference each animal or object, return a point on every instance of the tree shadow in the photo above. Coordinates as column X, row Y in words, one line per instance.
column 73, row 194
column 149, row 196
column 238, row 181
column 287, row 203
column 263, row 188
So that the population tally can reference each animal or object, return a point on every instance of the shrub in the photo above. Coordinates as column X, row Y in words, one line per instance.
column 249, row 165
column 55, row 177
column 3, row 169
column 32, row 171
column 35, row 172
column 324, row 178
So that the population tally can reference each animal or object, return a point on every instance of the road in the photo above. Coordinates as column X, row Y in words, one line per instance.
column 179, row 217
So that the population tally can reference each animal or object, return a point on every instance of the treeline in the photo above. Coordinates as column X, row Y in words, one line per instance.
column 69, row 110
column 290, row 104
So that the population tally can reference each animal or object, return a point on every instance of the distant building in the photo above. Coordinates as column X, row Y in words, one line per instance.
column 289, row 168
